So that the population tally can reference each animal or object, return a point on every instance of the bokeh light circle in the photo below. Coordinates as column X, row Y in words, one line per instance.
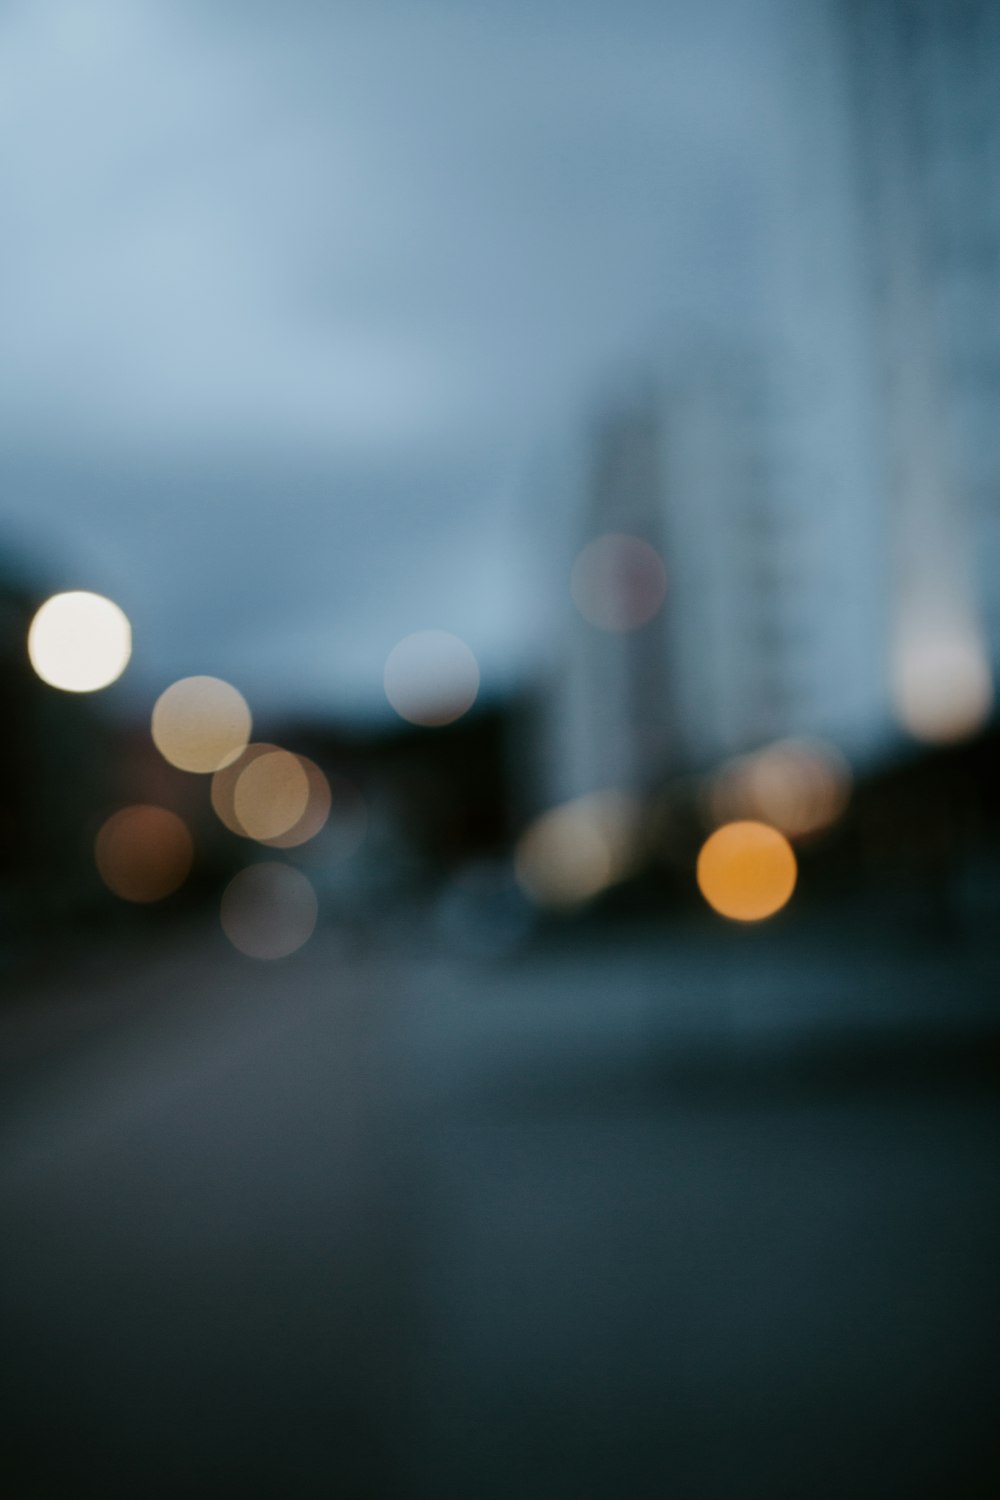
column 319, row 800
column 942, row 686
column 618, row 582
column 747, row 871
column 269, row 911
column 144, row 853
column 798, row 786
column 271, row 795
column 574, row 851
column 79, row 642
column 431, row 678
column 224, row 782
column 200, row 724
column 313, row 809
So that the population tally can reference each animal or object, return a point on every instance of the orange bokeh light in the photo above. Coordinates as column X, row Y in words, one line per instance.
column 747, row 871
column 144, row 853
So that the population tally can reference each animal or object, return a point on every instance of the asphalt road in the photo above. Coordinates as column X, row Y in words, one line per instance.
column 625, row 1217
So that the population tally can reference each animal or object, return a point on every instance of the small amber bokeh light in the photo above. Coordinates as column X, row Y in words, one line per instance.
column 144, row 853
column 747, row 871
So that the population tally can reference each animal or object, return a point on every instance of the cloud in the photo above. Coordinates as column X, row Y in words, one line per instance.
column 362, row 238
column 343, row 235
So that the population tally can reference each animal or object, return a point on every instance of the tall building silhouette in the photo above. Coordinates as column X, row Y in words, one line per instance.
column 923, row 110
column 706, row 464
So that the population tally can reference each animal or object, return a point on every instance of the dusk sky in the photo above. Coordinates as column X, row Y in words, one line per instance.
column 293, row 298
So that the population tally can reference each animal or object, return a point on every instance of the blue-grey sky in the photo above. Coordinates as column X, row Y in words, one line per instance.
column 290, row 296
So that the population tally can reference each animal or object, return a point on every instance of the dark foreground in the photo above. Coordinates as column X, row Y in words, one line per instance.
column 627, row 1218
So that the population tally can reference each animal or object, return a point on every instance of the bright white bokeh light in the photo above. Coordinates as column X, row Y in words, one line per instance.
column 942, row 684
column 431, row 678
column 79, row 642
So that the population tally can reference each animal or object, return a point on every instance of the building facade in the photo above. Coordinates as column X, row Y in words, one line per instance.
column 923, row 107
column 826, row 501
column 705, row 463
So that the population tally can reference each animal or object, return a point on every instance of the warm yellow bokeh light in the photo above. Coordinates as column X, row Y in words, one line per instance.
column 224, row 786
column 798, row 786
column 144, row 853
column 269, row 911
column 618, row 582
column 573, row 852
column 287, row 787
column 747, row 871
column 431, row 678
column 271, row 795
column 79, row 642
column 200, row 724
column 313, row 819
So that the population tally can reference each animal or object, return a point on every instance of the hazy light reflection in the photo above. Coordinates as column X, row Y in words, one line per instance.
column 618, row 582
column 942, row 685
column 79, row 642
column 269, row 911
column 271, row 795
column 747, row 871
column 797, row 786
column 573, row 852
column 431, row 678
column 200, row 724
column 144, row 853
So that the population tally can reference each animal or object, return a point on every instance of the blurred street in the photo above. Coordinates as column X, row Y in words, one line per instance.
column 500, row 690
column 639, row 1213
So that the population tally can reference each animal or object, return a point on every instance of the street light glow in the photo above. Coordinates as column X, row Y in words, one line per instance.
column 79, row 642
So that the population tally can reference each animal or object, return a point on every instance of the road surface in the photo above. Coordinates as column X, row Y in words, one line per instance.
column 620, row 1217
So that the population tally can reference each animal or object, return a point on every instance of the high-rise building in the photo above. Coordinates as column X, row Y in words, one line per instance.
column 607, row 714
column 703, row 472
column 919, row 86
column 827, row 506
column 748, row 581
